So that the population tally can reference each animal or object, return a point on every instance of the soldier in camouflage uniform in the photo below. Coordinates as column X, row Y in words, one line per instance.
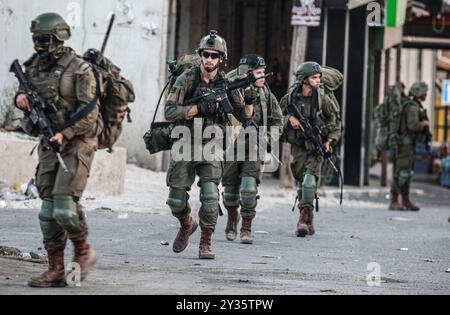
column 241, row 178
column 181, row 174
column 67, row 84
column 414, row 127
column 325, row 114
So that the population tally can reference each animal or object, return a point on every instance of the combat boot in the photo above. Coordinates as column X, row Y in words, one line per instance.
column 302, row 225
column 407, row 203
column 231, row 229
column 205, row 251
column 54, row 276
column 394, row 205
column 188, row 227
column 85, row 256
column 246, row 231
column 310, row 223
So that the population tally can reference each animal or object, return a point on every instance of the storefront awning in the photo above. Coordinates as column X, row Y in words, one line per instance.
column 345, row 4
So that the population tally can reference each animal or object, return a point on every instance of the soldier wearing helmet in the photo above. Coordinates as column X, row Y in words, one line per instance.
column 181, row 174
column 414, row 127
column 67, row 85
column 242, row 176
column 309, row 97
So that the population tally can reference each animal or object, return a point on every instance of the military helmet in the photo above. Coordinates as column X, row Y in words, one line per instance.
column 213, row 42
column 51, row 24
column 418, row 89
column 250, row 62
column 307, row 69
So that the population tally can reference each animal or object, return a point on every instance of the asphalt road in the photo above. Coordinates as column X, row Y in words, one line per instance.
column 411, row 250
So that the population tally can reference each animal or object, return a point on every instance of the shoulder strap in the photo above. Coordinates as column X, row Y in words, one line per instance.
column 314, row 105
column 269, row 98
column 30, row 60
column 80, row 115
column 85, row 111
column 160, row 98
column 197, row 80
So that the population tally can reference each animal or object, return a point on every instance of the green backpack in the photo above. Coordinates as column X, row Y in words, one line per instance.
column 331, row 79
column 115, row 93
column 387, row 115
column 158, row 138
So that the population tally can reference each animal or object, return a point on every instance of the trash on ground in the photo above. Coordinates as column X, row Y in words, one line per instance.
column 17, row 254
column 122, row 216
column 270, row 256
column 401, row 219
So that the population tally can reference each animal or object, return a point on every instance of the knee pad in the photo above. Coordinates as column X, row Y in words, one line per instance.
column 65, row 213
column 49, row 227
column 231, row 196
column 299, row 190
column 249, row 189
column 177, row 200
column 46, row 213
column 209, row 196
column 404, row 177
column 309, row 186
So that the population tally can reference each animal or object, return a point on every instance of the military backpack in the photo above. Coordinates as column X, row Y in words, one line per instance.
column 115, row 93
column 158, row 138
column 388, row 115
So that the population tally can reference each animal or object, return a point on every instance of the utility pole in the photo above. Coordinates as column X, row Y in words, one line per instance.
column 299, row 41
column 384, row 153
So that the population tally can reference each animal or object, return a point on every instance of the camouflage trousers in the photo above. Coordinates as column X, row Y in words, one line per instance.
column 181, row 175
column 53, row 182
column 305, row 162
column 234, row 171
column 403, row 168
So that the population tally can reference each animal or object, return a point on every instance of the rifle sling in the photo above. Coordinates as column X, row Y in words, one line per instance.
column 80, row 115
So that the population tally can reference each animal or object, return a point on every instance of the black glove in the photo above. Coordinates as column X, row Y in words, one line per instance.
column 250, row 96
column 208, row 108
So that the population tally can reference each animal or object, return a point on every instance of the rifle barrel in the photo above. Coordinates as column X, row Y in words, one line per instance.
column 108, row 32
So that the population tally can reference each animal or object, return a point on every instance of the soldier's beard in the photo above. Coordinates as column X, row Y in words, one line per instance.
column 211, row 69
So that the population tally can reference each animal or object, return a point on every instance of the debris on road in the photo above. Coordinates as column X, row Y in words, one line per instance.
column 122, row 216
column 270, row 256
column 401, row 219
column 17, row 254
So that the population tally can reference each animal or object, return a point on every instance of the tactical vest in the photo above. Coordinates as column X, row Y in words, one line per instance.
column 314, row 115
column 263, row 108
column 263, row 105
column 406, row 136
column 56, row 86
column 196, row 90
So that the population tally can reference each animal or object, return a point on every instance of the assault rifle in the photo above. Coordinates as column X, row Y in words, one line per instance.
column 37, row 114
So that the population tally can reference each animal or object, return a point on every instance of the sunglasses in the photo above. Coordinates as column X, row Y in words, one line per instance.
column 42, row 40
column 206, row 55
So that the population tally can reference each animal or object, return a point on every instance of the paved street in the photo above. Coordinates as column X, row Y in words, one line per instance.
column 411, row 248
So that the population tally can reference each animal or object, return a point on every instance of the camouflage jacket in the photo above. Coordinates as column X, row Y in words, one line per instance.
column 327, row 118
column 187, row 86
column 411, row 128
column 67, row 86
